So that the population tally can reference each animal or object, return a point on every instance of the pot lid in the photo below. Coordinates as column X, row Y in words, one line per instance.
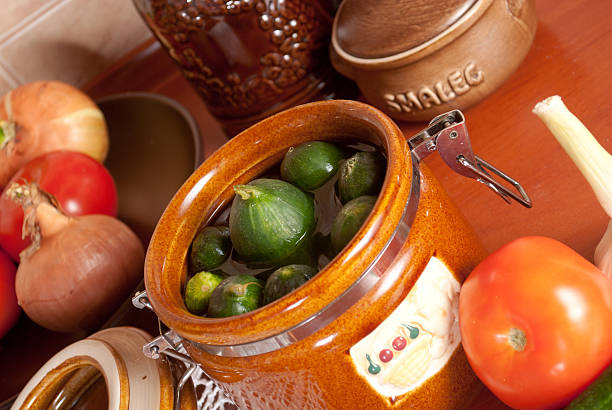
column 377, row 29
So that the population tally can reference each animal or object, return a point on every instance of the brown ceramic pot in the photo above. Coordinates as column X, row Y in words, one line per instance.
column 248, row 59
column 415, row 59
column 310, row 349
column 155, row 144
column 104, row 371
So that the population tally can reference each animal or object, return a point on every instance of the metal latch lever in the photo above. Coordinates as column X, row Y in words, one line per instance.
column 447, row 134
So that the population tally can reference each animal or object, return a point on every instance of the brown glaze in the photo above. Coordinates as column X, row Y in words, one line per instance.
column 366, row 30
column 309, row 373
column 247, row 58
column 112, row 356
column 95, row 398
column 240, row 161
column 455, row 68
column 76, row 386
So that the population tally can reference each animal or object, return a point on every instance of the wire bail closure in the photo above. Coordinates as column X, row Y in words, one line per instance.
column 170, row 344
column 447, row 134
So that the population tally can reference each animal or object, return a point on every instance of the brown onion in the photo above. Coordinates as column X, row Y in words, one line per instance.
column 78, row 270
column 46, row 116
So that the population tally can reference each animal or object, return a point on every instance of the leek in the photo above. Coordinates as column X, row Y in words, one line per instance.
column 593, row 161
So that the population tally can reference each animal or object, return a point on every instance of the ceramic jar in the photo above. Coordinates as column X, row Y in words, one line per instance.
column 416, row 59
column 104, row 371
column 248, row 58
column 394, row 288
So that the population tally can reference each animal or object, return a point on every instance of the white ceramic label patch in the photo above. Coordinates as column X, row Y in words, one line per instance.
column 417, row 339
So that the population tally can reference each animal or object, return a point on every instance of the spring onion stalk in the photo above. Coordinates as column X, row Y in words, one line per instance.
column 593, row 161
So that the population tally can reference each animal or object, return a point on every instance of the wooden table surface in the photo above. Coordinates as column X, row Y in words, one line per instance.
column 571, row 56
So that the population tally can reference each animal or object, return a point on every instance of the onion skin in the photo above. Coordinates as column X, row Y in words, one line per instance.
column 50, row 116
column 85, row 268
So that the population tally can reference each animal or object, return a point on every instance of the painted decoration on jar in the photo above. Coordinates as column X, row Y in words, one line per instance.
column 417, row 339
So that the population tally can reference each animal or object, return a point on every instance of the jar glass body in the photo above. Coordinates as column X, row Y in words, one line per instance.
column 311, row 366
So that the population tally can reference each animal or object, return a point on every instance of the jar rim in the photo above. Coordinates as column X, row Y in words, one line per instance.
column 362, row 285
column 208, row 190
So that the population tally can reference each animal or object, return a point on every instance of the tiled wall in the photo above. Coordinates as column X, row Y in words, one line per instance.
column 67, row 40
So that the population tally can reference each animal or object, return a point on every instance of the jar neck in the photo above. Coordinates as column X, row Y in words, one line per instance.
column 364, row 283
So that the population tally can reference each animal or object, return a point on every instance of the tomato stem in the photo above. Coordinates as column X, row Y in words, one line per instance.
column 7, row 133
column 517, row 339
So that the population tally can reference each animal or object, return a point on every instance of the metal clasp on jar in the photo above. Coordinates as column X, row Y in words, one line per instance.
column 170, row 344
column 447, row 134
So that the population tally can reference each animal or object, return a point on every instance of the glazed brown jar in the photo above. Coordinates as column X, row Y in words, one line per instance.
column 248, row 59
column 377, row 327
column 105, row 371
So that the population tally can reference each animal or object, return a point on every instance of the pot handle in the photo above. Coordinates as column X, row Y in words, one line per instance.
column 447, row 133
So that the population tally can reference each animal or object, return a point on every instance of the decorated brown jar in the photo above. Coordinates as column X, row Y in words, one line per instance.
column 249, row 59
column 377, row 327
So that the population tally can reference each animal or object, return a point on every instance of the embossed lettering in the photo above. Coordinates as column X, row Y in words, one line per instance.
column 427, row 96
column 457, row 83
column 456, row 80
column 393, row 106
column 473, row 75
column 408, row 101
column 444, row 91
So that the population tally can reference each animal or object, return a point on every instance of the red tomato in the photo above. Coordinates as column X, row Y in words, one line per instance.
column 80, row 184
column 9, row 309
column 537, row 291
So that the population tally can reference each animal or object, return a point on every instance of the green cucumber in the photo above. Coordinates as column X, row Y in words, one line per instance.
column 311, row 164
column 210, row 248
column 598, row 396
column 348, row 221
column 285, row 280
column 270, row 222
column 198, row 291
column 235, row 295
column 362, row 174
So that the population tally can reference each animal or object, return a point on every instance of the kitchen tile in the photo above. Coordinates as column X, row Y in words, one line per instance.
column 16, row 13
column 6, row 82
column 74, row 41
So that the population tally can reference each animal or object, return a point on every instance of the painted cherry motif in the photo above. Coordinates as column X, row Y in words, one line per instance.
column 399, row 343
column 385, row 355
column 414, row 331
